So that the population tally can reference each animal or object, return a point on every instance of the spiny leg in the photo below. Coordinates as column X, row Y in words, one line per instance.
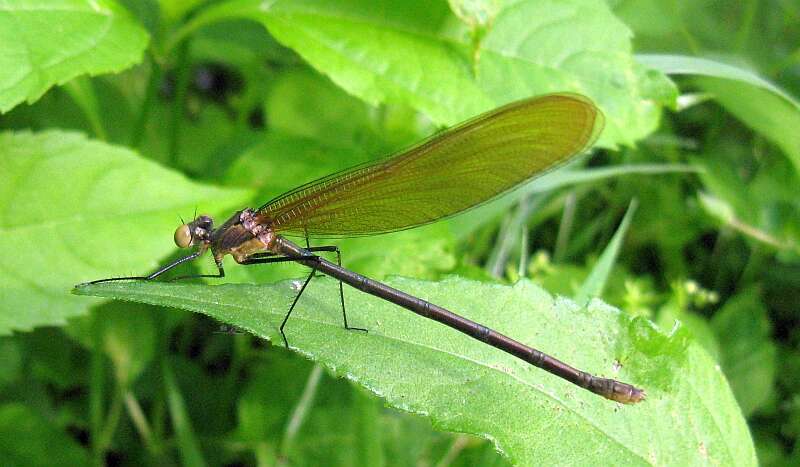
column 160, row 271
column 263, row 258
column 310, row 248
column 291, row 308
column 220, row 273
column 338, row 252
column 341, row 295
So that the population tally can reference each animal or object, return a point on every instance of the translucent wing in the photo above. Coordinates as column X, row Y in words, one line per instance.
column 446, row 174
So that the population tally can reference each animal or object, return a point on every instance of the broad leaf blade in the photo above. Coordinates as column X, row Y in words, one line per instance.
column 419, row 54
column 537, row 47
column 760, row 104
column 690, row 416
column 50, row 42
column 28, row 438
column 74, row 210
column 749, row 357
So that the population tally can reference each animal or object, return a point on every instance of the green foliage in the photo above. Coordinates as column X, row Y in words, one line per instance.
column 90, row 38
column 750, row 357
column 62, row 213
column 346, row 41
column 400, row 357
column 26, row 438
column 119, row 117
column 594, row 284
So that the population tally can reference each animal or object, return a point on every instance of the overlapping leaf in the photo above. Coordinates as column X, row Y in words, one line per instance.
column 419, row 54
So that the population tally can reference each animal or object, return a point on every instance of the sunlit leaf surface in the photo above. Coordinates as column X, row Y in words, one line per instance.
column 73, row 210
column 689, row 417
column 48, row 42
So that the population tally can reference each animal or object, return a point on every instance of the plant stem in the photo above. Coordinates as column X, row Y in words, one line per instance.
column 139, row 420
column 96, row 387
column 458, row 445
column 748, row 17
column 565, row 228
column 300, row 412
column 507, row 235
column 524, row 254
column 82, row 92
column 179, row 103
column 112, row 420
column 188, row 446
column 138, row 130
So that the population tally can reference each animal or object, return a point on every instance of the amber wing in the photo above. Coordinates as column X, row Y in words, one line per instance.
column 444, row 175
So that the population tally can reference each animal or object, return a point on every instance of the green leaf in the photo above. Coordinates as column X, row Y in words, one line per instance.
column 337, row 420
column 74, row 210
column 668, row 26
column 537, row 47
column 690, row 415
column 761, row 105
column 339, row 120
column 598, row 278
column 763, row 206
column 55, row 358
column 688, row 65
column 26, row 438
column 748, row 354
column 49, row 42
column 763, row 111
column 419, row 54
column 278, row 162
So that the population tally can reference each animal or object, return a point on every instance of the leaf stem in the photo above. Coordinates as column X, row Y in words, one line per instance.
column 264, row 457
column 213, row 14
column 746, row 27
column 368, row 429
column 139, row 420
column 524, row 253
column 507, row 235
column 112, row 420
column 187, row 441
column 178, row 105
column 138, row 130
column 82, row 93
column 96, row 389
column 598, row 277
column 300, row 412
column 565, row 227
column 456, row 447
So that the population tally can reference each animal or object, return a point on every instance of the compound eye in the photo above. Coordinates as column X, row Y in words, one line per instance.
column 183, row 236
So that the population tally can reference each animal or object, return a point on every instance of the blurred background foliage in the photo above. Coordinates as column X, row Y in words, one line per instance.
column 214, row 94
